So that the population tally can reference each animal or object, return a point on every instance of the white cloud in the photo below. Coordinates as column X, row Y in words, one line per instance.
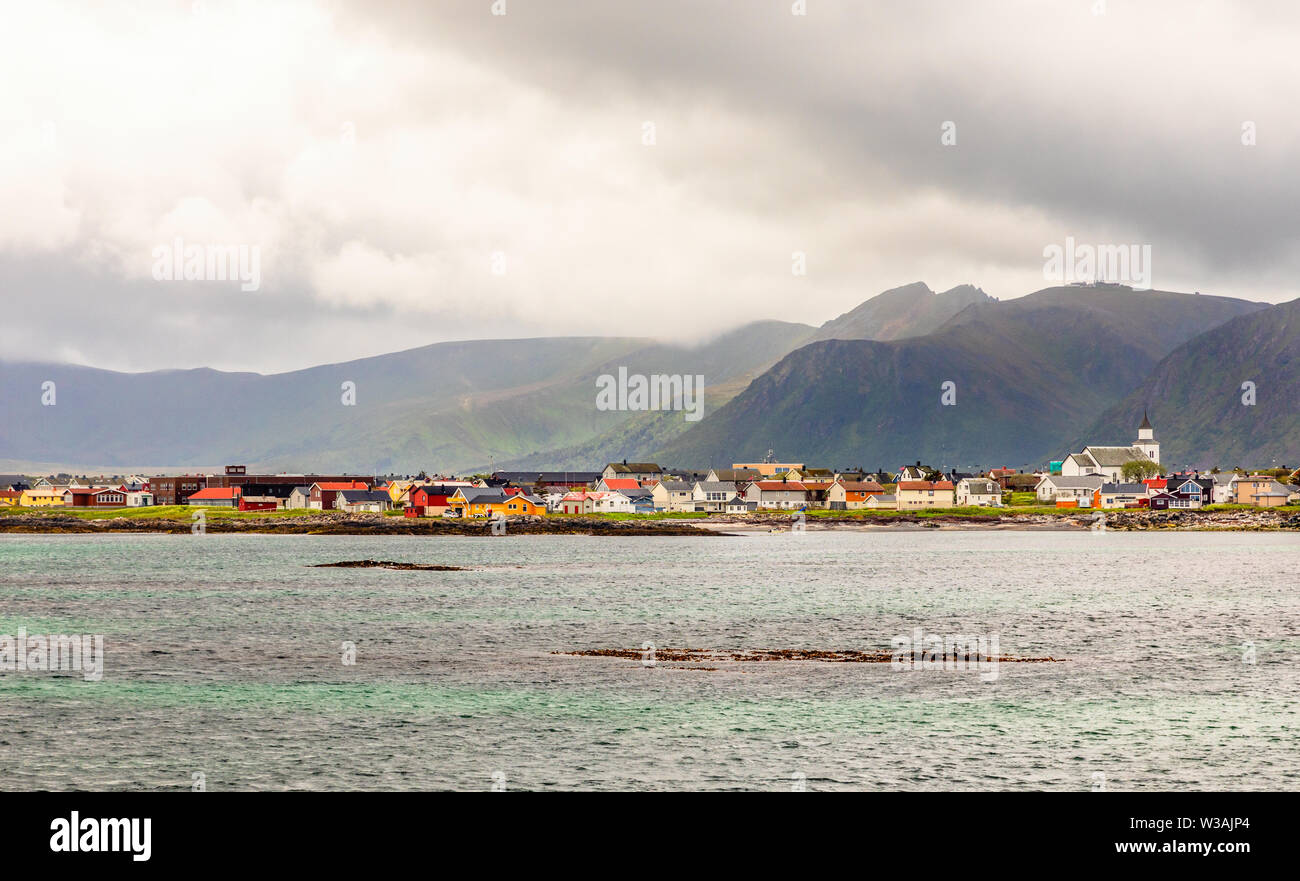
column 379, row 157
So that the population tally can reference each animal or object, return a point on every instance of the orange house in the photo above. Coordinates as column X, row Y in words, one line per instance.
column 850, row 494
column 522, row 505
column 484, row 502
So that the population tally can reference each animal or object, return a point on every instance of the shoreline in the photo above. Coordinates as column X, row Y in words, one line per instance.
column 333, row 523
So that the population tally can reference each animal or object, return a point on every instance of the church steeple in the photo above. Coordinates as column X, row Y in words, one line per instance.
column 1146, row 441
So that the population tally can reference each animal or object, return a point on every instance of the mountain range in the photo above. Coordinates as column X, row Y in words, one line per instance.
column 1030, row 379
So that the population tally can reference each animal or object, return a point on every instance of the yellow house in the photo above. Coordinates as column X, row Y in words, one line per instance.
column 476, row 501
column 42, row 497
column 10, row 497
column 913, row 494
column 399, row 492
column 520, row 505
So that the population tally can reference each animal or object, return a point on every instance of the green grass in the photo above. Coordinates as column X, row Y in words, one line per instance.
column 658, row 515
column 970, row 512
column 158, row 512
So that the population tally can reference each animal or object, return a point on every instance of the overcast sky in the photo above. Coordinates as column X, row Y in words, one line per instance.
column 378, row 156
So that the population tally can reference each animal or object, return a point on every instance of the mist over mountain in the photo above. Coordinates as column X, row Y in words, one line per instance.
column 1032, row 378
column 1028, row 375
column 447, row 406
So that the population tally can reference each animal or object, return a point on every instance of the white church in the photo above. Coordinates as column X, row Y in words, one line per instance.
column 1108, row 462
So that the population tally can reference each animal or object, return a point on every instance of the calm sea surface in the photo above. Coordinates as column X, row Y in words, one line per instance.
column 224, row 658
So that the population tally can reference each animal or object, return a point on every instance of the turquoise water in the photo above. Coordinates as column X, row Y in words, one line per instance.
column 224, row 658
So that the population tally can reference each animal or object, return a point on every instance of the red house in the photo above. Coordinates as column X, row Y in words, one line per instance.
column 97, row 497
column 430, row 500
column 216, row 497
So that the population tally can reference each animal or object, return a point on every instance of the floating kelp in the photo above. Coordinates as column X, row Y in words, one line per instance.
column 389, row 564
column 834, row 656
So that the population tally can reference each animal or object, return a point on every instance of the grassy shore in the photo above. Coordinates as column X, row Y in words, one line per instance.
column 158, row 512
column 180, row 518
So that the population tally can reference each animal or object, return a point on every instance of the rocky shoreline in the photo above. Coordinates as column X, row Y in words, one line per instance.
column 1245, row 519
column 346, row 524
column 1251, row 519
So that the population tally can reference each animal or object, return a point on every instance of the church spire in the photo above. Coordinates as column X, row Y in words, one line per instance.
column 1146, row 423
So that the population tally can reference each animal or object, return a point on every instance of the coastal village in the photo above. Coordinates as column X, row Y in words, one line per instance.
column 1100, row 477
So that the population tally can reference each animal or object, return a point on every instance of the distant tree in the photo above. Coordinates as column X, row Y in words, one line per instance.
column 1214, row 470
column 1139, row 469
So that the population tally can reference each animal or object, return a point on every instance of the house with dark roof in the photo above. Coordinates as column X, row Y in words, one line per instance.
column 472, row 501
column 781, row 494
column 539, row 479
column 733, row 475
column 912, row 472
column 430, row 500
column 1057, row 489
column 671, row 495
column 1121, row 495
column 356, row 501
column 981, row 492
column 324, row 495
column 711, row 496
column 643, row 471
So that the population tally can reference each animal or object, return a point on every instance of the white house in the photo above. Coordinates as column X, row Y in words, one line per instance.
column 978, row 491
column 777, row 494
column 1058, row 488
column 711, row 495
column 608, row 503
column 671, row 495
column 1224, row 492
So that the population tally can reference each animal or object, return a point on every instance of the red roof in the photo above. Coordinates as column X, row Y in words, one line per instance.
column 216, row 492
column 1156, row 482
column 923, row 485
column 861, row 486
column 622, row 483
column 351, row 484
column 780, row 484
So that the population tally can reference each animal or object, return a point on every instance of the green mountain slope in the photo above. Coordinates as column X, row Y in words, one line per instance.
column 908, row 311
column 447, row 406
column 1027, row 373
column 1195, row 397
